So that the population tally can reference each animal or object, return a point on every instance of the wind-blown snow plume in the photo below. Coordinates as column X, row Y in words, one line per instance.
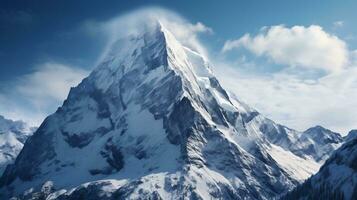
column 135, row 22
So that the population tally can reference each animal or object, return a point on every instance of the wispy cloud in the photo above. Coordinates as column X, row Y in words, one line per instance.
column 199, row 27
column 338, row 24
column 134, row 22
column 33, row 96
column 298, row 46
column 16, row 17
column 49, row 81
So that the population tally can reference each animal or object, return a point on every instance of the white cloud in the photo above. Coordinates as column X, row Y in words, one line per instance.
column 353, row 58
column 298, row 46
column 199, row 27
column 33, row 96
column 13, row 107
column 292, row 96
column 49, row 81
column 298, row 103
column 338, row 24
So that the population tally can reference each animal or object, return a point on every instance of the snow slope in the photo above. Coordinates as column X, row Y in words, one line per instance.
column 152, row 122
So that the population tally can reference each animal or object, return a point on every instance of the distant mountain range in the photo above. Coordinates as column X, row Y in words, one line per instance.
column 13, row 135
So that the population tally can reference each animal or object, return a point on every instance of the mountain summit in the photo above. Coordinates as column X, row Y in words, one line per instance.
column 152, row 122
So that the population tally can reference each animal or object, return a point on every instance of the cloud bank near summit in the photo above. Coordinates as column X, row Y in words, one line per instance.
column 134, row 22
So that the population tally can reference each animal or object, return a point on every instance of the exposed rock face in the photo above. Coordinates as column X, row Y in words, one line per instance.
column 152, row 122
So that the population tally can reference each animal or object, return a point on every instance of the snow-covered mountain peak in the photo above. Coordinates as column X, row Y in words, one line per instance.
column 152, row 121
column 322, row 135
column 151, row 52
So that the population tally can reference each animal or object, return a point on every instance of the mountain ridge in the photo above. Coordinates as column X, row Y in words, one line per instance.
column 336, row 179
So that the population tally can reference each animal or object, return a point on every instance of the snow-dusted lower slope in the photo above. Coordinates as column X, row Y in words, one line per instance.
column 337, row 178
column 152, row 122
column 13, row 135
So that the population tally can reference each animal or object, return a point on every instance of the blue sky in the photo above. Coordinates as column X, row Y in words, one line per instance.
column 47, row 46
